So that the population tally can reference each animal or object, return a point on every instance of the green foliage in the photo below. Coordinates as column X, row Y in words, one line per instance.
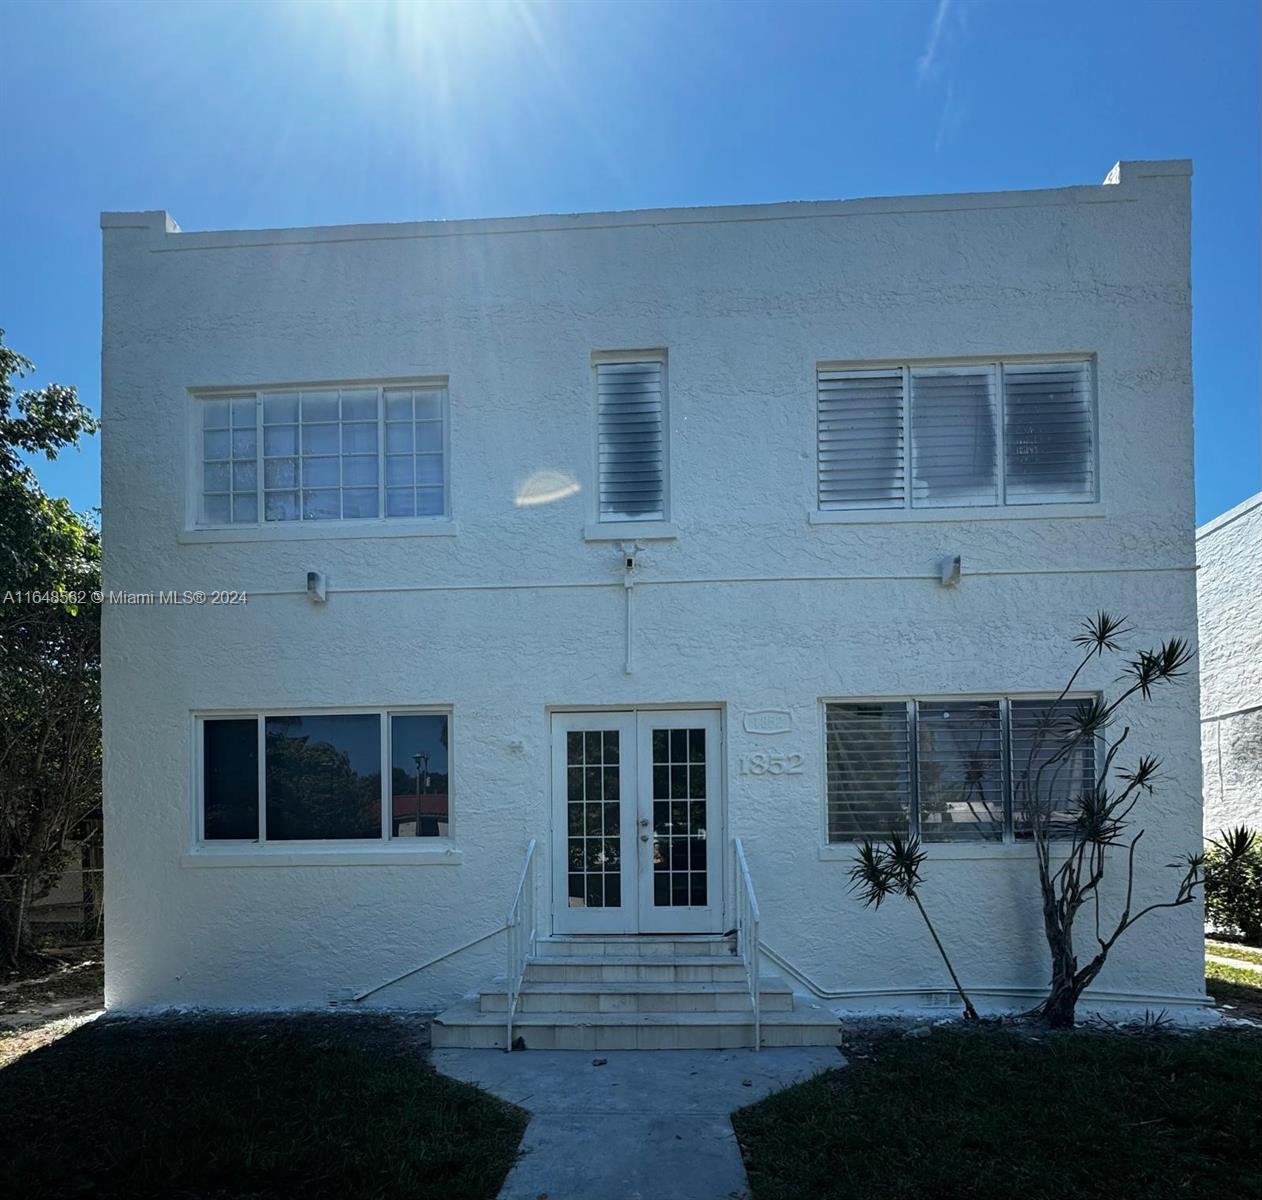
column 1233, row 883
column 1086, row 825
column 893, row 869
column 50, row 717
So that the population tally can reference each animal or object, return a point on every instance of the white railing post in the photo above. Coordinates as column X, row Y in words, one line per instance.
column 747, row 921
column 521, row 938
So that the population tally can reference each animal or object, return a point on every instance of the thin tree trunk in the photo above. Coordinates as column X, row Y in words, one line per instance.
column 970, row 1013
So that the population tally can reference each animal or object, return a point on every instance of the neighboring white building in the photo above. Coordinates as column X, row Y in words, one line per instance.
column 420, row 456
column 1229, row 604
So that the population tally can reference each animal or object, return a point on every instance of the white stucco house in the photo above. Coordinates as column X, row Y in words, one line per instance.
column 632, row 538
column 1229, row 609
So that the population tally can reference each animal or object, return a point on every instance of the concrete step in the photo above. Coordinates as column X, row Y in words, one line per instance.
column 634, row 945
column 680, row 968
column 635, row 995
column 464, row 1025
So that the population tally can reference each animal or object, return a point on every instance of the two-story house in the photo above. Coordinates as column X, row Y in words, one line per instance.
column 688, row 547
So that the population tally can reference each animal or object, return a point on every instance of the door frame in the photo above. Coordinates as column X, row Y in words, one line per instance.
column 559, row 886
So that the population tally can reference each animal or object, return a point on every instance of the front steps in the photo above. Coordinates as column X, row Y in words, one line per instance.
column 635, row 993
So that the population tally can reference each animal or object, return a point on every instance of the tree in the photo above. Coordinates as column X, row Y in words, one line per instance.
column 1076, row 831
column 893, row 869
column 50, row 712
column 1233, row 883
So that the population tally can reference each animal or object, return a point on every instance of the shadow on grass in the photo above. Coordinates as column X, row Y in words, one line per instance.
column 308, row 1106
column 993, row 1114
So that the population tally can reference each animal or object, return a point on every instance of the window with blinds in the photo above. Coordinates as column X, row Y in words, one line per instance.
column 868, row 757
column 1049, row 768
column 631, row 436
column 1049, row 432
column 954, row 454
column 959, row 757
column 957, row 436
column 861, row 443
column 951, row 770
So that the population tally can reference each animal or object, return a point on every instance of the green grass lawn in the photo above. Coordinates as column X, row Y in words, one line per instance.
column 990, row 1114
column 1237, row 988
column 296, row 1107
column 1238, row 950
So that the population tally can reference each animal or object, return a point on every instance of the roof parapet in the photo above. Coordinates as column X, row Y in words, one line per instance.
column 1129, row 170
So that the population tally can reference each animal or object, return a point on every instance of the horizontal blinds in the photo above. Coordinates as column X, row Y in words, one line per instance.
column 959, row 753
column 868, row 753
column 1043, row 773
column 954, row 442
column 632, row 445
column 861, row 442
column 1049, row 434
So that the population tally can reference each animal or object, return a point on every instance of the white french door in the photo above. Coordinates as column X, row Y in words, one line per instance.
column 637, row 822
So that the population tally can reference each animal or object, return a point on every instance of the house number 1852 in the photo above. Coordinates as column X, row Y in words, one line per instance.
column 762, row 762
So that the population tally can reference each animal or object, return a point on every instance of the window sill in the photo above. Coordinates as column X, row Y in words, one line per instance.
column 620, row 531
column 341, row 856
column 298, row 531
column 913, row 516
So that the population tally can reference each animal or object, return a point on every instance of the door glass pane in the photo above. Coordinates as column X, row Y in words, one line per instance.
column 323, row 777
column 593, row 816
column 419, row 793
column 679, row 818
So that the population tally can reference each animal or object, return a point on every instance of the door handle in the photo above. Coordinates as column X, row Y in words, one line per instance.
column 644, row 822
column 644, row 837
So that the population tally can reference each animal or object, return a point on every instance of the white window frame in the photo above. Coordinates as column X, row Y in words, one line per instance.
column 318, row 846
column 196, row 530
column 1090, row 506
column 600, row 528
column 1009, row 844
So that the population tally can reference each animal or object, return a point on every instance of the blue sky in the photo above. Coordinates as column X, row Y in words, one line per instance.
column 253, row 115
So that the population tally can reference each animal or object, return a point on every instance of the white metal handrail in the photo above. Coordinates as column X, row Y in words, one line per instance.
column 521, row 925
column 747, row 946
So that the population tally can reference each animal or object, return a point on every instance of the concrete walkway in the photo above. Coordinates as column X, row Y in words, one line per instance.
column 644, row 1125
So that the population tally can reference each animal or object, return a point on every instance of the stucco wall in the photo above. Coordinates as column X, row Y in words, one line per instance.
column 1229, row 601
column 751, row 606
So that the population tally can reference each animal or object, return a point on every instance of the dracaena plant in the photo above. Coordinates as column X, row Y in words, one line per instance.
column 893, row 869
column 1080, row 831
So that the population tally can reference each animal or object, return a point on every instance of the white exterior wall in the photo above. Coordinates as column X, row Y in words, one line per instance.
column 1229, row 604
column 750, row 607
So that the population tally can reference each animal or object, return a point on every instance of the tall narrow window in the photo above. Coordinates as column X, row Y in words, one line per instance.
column 230, row 461
column 631, row 432
column 415, row 473
column 1045, row 770
column 1049, row 432
column 419, row 780
column 955, row 447
column 868, row 760
column 959, row 750
column 230, row 779
column 861, row 445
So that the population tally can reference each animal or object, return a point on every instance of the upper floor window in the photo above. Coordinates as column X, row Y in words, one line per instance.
column 982, row 435
column 631, row 435
column 323, row 454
